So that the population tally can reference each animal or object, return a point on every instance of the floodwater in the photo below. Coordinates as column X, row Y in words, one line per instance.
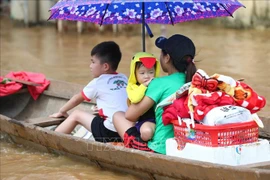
column 66, row 56
column 26, row 163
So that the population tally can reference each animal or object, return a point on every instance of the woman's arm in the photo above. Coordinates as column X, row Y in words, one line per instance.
column 136, row 110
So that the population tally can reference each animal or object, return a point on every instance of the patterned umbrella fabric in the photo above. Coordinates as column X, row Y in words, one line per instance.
column 142, row 11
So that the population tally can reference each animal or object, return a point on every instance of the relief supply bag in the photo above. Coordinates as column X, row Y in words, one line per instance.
column 226, row 115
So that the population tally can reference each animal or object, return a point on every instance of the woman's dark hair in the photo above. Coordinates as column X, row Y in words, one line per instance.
column 190, row 68
column 185, row 65
column 164, row 52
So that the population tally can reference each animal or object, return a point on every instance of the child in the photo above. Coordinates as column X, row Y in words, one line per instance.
column 109, row 90
column 143, row 68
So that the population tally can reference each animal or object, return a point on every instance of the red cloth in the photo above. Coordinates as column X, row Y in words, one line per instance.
column 246, row 97
column 9, row 88
column 206, row 102
column 132, row 139
column 35, row 91
column 177, row 108
column 242, row 95
column 201, row 82
column 101, row 114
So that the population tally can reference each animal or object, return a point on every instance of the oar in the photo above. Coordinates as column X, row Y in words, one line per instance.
column 21, row 81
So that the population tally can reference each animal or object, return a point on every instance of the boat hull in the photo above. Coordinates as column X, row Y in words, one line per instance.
column 26, row 124
column 149, row 164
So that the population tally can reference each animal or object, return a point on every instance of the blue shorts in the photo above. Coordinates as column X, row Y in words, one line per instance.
column 140, row 123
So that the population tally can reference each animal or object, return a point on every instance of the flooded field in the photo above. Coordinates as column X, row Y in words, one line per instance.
column 66, row 56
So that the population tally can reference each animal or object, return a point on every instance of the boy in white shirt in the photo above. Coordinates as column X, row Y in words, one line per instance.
column 109, row 90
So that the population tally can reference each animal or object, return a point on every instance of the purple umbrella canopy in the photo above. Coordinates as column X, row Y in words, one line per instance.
column 142, row 11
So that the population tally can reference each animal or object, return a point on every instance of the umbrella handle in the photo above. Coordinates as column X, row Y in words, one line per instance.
column 148, row 30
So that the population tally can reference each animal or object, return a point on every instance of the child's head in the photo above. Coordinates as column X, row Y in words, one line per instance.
column 144, row 74
column 105, row 58
column 143, row 67
column 178, row 51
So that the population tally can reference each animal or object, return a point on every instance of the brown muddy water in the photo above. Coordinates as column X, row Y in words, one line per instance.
column 66, row 56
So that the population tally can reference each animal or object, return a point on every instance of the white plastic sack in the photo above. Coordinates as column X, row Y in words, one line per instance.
column 226, row 115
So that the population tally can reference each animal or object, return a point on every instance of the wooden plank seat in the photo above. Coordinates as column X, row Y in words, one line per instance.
column 48, row 121
column 45, row 121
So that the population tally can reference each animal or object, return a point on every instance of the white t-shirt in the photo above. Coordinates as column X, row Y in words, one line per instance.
column 109, row 90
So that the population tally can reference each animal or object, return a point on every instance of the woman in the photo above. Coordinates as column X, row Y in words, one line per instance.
column 176, row 59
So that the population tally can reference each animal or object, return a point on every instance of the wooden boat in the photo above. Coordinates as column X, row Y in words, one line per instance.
column 25, row 120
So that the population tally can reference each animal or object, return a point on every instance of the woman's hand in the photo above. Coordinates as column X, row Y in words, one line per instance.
column 59, row 114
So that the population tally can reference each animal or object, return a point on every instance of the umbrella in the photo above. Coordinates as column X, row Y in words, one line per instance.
column 142, row 11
